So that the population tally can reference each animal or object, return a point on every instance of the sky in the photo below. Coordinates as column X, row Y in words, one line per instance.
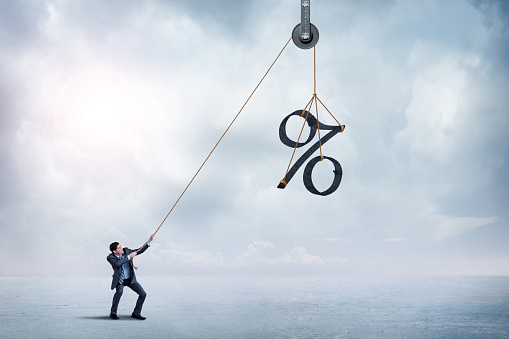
column 108, row 109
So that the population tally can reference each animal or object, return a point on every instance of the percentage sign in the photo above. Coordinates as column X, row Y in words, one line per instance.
column 308, row 170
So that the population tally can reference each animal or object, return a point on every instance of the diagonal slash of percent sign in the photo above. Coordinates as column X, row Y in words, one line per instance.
column 313, row 125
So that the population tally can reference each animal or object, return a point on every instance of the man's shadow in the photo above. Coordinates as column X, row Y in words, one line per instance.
column 107, row 317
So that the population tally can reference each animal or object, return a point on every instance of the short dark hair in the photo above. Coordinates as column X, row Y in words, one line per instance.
column 113, row 246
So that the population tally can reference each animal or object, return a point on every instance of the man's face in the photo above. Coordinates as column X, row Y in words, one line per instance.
column 119, row 251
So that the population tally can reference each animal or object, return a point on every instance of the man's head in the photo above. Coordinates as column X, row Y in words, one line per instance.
column 116, row 249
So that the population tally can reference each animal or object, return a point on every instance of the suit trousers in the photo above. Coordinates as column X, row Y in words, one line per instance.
column 136, row 287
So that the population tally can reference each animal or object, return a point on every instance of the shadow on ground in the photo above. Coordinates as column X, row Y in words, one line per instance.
column 107, row 317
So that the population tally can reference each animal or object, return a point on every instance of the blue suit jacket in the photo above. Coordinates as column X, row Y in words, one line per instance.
column 117, row 263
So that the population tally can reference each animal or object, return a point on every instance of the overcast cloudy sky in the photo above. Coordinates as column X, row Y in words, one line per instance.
column 107, row 109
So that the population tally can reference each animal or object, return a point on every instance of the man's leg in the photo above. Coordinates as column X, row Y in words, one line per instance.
column 116, row 298
column 136, row 287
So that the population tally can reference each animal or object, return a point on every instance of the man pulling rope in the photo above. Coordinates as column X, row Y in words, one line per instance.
column 121, row 260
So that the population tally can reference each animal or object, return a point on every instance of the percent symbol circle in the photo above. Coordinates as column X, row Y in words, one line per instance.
column 308, row 170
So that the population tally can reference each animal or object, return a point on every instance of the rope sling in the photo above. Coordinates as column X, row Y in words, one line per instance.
column 309, row 105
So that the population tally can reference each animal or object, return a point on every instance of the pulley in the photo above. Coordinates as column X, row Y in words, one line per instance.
column 305, row 35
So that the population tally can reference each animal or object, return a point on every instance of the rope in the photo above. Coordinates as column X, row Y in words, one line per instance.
column 342, row 126
column 318, row 125
column 316, row 104
column 310, row 103
column 314, row 69
column 199, row 169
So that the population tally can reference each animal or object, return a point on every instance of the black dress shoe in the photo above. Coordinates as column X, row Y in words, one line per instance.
column 113, row 316
column 138, row 317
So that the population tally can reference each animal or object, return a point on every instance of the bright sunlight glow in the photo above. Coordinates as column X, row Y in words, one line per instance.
column 98, row 113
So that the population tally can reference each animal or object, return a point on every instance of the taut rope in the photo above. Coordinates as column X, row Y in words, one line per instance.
column 199, row 169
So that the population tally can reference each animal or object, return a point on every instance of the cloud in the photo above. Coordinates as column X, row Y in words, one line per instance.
column 424, row 105
column 300, row 256
column 450, row 227
column 257, row 252
column 493, row 12
column 174, row 255
column 19, row 23
column 393, row 240
column 256, row 255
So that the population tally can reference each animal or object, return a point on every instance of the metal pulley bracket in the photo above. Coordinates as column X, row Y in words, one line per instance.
column 305, row 35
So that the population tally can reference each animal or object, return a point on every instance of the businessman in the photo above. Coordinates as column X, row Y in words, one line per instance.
column 121, row 260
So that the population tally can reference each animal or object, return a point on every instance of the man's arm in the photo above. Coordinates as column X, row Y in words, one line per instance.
column 116, row 262
column 144, row 248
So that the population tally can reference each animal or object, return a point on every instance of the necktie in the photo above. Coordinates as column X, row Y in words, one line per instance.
column 121, row 280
